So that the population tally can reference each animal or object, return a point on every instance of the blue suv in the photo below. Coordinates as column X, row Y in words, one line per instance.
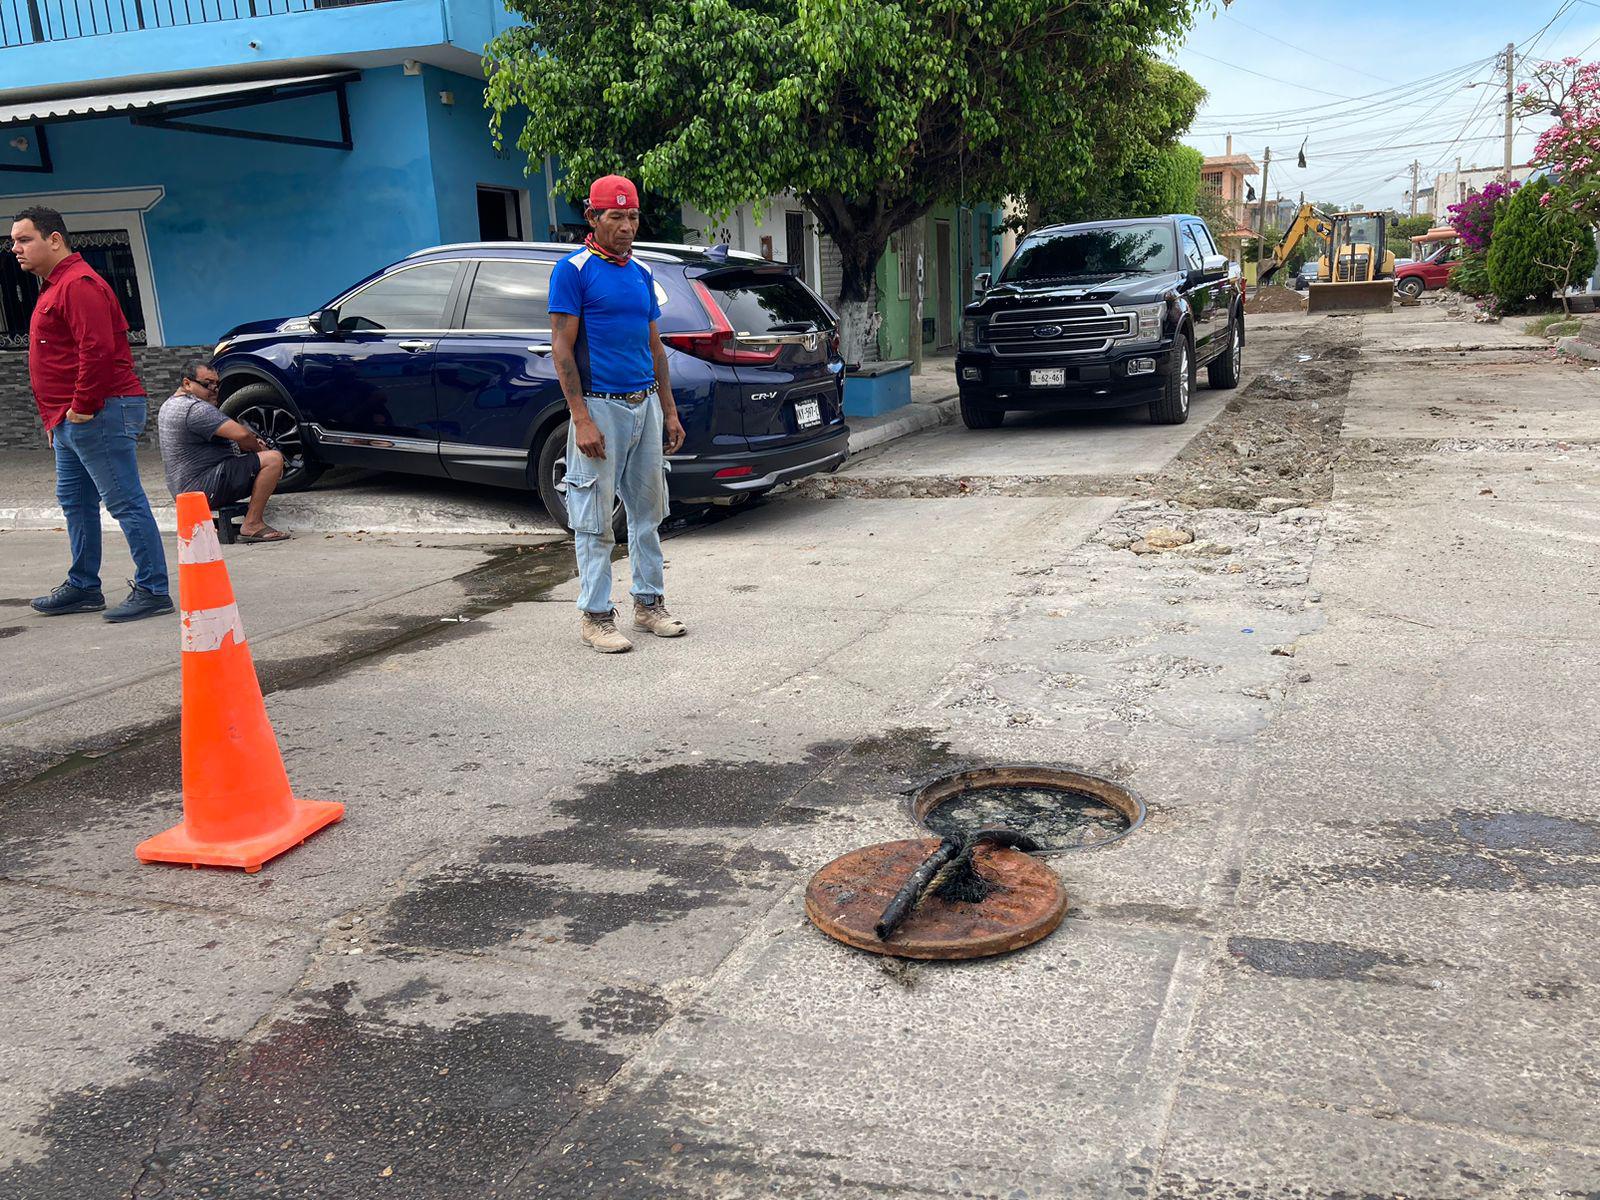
column 441, row 365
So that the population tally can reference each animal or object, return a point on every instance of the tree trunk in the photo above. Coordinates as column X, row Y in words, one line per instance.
column 914, row 245
column 858, row 313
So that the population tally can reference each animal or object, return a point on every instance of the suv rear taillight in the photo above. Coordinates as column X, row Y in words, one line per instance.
column 720, row 343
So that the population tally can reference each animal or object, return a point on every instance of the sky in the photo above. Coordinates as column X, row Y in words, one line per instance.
column 1370, row 86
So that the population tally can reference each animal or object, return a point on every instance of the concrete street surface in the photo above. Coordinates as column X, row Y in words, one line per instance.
column 557, row 946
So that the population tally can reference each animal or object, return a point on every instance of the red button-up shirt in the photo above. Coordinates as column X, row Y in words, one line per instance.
column 78, row 353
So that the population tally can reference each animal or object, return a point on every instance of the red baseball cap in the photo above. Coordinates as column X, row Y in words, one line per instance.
column 613, row 191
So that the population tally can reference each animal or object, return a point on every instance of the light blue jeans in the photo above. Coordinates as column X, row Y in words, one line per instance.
column 635, row 468
column 95, row 465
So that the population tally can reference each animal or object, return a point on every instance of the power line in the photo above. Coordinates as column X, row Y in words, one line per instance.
column 1301, row 49
column 1269, row 78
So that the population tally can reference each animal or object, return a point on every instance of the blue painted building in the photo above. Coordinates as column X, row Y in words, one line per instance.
column 227, row 160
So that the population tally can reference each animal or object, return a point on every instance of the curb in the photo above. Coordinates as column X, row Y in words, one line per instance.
column 912, row 418
column 926, row 414
column 379, row 519
column 1577, row 347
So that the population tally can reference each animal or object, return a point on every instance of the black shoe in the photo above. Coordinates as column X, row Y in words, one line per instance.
column 140, row 604
column 68, row 599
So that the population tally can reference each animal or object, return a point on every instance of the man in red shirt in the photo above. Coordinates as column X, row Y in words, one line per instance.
column 94, row 410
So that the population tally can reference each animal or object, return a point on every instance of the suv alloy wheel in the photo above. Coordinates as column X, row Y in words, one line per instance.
column 550, row 472
column 1173, row 407
column 1224, row 372
column 259, row 407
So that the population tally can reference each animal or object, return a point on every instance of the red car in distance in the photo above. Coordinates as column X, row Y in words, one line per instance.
column 1432, row 270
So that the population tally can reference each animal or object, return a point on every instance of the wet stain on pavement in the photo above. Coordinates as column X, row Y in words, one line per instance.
column 332, row 1102
column 662, row 841
column 1560, row 989
column 618, row 1011
column 1474, row 851
column 1292, row 959
column 12, row 630
column 631, row 1148
column 96, row 1141
column 647, row 847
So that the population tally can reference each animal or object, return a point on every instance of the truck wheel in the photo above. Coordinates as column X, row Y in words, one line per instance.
column 550, row 473
column 1224, row 372
column 973, row 416
column 1410, row 287
column 259, row 407
column 1173, row 407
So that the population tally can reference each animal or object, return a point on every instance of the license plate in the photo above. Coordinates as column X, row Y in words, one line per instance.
column 1049, row 377
column 807, row 413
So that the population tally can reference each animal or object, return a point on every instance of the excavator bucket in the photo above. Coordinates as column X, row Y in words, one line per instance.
column 1377, row 296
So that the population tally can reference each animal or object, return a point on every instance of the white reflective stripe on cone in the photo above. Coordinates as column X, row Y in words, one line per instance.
column 201, row 546
column 204, row 629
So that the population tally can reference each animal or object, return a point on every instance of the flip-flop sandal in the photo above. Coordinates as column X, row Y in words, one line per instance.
column 271, row 535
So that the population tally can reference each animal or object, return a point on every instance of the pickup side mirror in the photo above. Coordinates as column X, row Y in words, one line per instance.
column 980, row 283
column 326, row 321
column 1213, row 269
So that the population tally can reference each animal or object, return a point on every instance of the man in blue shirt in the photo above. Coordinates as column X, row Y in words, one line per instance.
column 613, row 371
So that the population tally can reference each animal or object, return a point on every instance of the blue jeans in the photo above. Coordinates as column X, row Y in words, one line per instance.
column 634, row 467
column 95, row 464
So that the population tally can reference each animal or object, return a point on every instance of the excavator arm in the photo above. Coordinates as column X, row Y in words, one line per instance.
column 1307, row 220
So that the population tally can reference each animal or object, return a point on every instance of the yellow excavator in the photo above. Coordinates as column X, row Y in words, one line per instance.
column 1355, row 271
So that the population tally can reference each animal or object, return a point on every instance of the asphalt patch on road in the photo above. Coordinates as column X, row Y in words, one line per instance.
column 1293, row 959
column 1472, row 851
column 333, row 1101
column 653, row 845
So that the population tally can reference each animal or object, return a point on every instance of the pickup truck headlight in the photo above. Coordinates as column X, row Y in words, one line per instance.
column 1147, row 319
column 973, row 332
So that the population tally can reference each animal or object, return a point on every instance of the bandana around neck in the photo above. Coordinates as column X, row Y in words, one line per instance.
column 596, row 248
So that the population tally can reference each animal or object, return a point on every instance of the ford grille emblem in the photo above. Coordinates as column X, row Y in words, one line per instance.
column 1046, row 331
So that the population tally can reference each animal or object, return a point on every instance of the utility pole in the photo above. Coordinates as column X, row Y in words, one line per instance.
column 1266, row 163
column 1511, row 99
column 1416, row 170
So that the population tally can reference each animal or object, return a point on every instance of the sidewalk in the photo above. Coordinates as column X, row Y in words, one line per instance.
column 351, row 501
column 933, row 402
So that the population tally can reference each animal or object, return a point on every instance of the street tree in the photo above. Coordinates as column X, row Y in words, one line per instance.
column 870, row 111
column 1139, row 169
column 1568, row 90
column 1540, row 246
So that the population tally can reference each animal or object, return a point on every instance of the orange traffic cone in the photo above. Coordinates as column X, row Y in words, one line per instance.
column 237, row 807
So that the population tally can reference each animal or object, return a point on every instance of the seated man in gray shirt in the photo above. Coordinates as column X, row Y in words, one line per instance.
column 204, row 451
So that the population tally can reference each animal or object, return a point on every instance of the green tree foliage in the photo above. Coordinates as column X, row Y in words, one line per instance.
column 1470, row 276
column 1539, row 245
column 870, row 111
column 1411, row 227
column 1139, row 170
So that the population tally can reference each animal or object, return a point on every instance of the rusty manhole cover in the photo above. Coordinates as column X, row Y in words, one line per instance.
column 847, row 897
column 1059, row 808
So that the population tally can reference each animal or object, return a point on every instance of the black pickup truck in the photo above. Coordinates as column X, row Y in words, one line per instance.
column 1106, row 314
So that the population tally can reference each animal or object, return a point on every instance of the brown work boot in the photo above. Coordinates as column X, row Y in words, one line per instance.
column 656, row 619
column 599, row 632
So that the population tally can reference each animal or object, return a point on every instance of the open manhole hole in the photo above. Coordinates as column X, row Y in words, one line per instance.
column 1058, row 808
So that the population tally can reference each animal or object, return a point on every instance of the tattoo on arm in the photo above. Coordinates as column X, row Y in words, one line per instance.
column 564, row 330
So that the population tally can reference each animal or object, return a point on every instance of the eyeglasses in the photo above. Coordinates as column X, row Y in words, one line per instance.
column 210, row 385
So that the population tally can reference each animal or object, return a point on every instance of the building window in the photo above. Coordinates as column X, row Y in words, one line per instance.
column 499, row 214
column 794, row 240
column 908, row 270
column 1213, row 181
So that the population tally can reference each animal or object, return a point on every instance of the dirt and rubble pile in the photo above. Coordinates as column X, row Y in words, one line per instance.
column 1274, row 299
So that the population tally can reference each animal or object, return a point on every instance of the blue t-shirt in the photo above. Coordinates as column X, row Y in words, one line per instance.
column 614, row 305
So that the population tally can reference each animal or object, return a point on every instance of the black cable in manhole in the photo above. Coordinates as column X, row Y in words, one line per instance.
column 1060, row 809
